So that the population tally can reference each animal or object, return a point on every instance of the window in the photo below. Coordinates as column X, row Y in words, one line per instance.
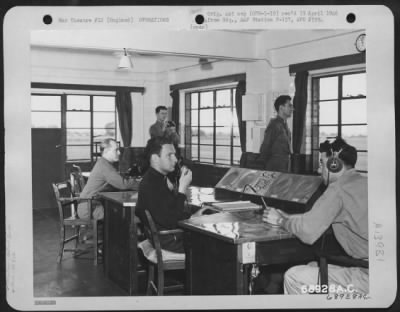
column 85, row 120
column 214, row 132
column 89, row 119
column 339, row 108
column 46, row 111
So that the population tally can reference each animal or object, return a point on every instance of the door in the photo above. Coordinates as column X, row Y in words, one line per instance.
column 47, row 166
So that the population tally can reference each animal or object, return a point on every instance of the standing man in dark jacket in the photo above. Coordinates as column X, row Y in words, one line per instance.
column 277, row 146
column 158, row 128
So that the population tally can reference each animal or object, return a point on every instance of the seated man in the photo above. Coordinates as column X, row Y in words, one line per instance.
column 344, row 205
column 104, row 177
column 157, row 194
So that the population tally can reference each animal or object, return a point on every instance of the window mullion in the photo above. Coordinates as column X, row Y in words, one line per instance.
column 340, row 105
column 214, row 127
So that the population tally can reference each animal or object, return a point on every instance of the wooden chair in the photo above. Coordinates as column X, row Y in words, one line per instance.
column 77, row 180
column 341, row 259
column 159, row 260
column 65, row 198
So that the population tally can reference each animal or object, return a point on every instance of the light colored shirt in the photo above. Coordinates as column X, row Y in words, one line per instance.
column 344, row 204
column 104, row 177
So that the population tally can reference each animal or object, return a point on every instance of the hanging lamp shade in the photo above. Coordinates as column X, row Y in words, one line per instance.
column 125, row 61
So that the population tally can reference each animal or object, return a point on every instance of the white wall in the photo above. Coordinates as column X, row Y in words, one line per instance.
column 269, row 77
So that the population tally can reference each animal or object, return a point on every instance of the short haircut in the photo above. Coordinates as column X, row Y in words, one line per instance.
column 159, row 108
column 348, row 153
column 106, row 143
column 281, row 100
column 154, row 146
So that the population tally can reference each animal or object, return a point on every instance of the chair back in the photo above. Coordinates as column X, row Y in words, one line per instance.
column 151, row 233
column 62, row 191
column 77, row 180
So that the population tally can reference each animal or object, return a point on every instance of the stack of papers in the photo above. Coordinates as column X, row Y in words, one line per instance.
column 239, row 205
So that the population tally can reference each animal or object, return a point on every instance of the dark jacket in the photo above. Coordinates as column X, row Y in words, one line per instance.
column 276, row 147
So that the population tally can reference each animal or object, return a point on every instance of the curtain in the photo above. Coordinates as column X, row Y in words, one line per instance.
column 175, row 107
column 300, row 105
column 240, row 91
column 123, row 103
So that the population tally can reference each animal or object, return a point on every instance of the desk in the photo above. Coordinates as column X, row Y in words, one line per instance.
column 221, row 249
column 120, row 239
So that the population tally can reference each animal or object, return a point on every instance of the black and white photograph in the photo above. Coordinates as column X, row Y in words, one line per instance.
column 200, row 157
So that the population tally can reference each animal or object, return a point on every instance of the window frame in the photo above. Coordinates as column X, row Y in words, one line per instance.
column 188, row 112
column 64, row 127
column 340, row 98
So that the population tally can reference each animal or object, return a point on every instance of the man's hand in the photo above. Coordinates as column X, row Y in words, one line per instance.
column 185, row 179
column 274, row 216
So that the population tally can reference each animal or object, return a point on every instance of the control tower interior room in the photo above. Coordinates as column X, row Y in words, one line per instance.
column 229, row 141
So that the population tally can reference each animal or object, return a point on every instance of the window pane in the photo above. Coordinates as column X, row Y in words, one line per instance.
column 234, row 97
column 362, row 161
column 104, row 103
column 354, row 85
column 78, row 136
column 78, row 152
column 223, row 117
column 195, row 117
column 195, row 152
column 194, row 100
column 223, row 136
column 354, row 111
column 237, row 153
column 236, row 136
column 206, row 135
column 46, row 102
column 328, row 88
column 78, row 119
column 195, row 135
column 103, row 120
column 206, row 153
column 46, row 120
column 327, row 133
column 223, row 155
column 223, row 98
column 356, row 136
column 78, row 102
column 206, row 117
column 206, row 99
column 328, row 112
column 102, row 134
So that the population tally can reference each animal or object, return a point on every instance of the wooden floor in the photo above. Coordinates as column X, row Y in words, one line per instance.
column 73, row 276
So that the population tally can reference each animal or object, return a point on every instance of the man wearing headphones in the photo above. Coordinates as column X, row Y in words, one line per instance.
column 344, row 205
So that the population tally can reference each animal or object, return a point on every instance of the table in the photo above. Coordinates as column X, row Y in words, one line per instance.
column 222, row 248
column 120, row 239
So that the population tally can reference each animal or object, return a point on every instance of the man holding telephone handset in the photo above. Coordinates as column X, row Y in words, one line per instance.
column 158, row 195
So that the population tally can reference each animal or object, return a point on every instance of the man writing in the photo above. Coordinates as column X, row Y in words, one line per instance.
column 157, row 194
column 103, row 177
column 344, row 205
column 158, row 128
column 277, row 147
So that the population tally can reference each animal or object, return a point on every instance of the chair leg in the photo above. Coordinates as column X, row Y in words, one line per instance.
column 160, row 282
column 150, row 279
column 95, row 242
column 77, row 233
column 62, row 241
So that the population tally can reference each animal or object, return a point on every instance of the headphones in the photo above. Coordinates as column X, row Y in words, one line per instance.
column 334, row 163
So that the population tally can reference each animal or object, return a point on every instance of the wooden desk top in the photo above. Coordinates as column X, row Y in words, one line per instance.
column 236, row 228
column 125, row 198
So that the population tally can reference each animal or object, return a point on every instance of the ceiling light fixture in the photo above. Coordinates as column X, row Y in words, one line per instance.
column 125, row 61
column 205, row 64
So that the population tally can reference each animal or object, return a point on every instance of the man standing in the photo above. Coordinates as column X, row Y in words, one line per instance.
column 344, row 205
column 158, row 128
column 157, row 195
column 103, row 177
column 277, row 147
